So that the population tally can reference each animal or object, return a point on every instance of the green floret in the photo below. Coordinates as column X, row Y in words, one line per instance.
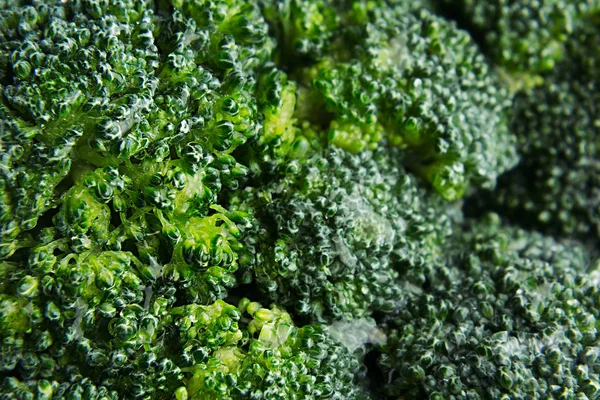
column 158, row 220
column 422, row 83
column 556, row 186
column 150, row 349
column 514, row 316
column 131, row 86
column 282, row 361
column 525, row 37
column 57, row 74
column 373, row 70
column 336, row 229
column 304, row 29
column 232, row 34
column 82, row 316
column 79, row 388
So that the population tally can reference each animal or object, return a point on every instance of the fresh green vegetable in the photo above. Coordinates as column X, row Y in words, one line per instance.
column 514, row 316
column 525, row 37
column 164, row 161
column 556, row 187
column 337, row 228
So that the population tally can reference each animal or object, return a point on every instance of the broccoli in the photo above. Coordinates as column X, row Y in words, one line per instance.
column 304, row 29
column 152, row 349
column 513, row 316
column 418, row 81
column 339, row 228
column 162, row 162
column 372, row 71
column 556, row 186
column 121, row 86
column 525, row 37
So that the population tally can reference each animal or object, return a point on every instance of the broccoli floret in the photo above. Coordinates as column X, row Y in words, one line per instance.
column 513, row 316
column 556, row 186
column 78, row 388
column 58, row 72
column 276, row 96
column 150, row 349
column 336, row 229
column 304, row 29
column 373, row 70
column 79, row 316
column 126, row 87
column 525, row 37
column 159, row 221
column 281, row 361
column 231, row 34
column 417, row 80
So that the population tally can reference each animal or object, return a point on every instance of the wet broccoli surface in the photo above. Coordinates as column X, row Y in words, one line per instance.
column 297, row 199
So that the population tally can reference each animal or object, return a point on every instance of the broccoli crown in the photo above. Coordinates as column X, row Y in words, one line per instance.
column 523, row 36
column 106, row 88
column 556, row 186
column 282, row 361
column 162, row 161
column 417, row 80
column 338, row 228
column 137, row 344
column 512, row 317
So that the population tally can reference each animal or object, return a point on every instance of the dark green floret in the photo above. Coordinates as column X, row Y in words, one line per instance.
column 513, row 316
column 337, row 229
column 304, row 29
column 525, row 37
column 556, row 187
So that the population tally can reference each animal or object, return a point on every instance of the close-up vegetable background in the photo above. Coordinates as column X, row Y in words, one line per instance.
column 299, row 199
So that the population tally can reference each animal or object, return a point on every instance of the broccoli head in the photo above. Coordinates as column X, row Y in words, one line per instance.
column 336, row 229
column 415, row 79
column 372, row 72
column 513, row 316
column 556, row 187
column 525, row 37
column 162, row 161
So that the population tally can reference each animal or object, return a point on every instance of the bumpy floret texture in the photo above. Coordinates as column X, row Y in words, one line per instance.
column 282, row 362
column 416, row 79
column 338, row 229
column 163, row 160
column 55, row 74
column 304, row 29
column 155, row 350
column 111, row 83
column 513, row 316
column 158, row 222
column 556, row 187
column 82, row 326
column 526, row 37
